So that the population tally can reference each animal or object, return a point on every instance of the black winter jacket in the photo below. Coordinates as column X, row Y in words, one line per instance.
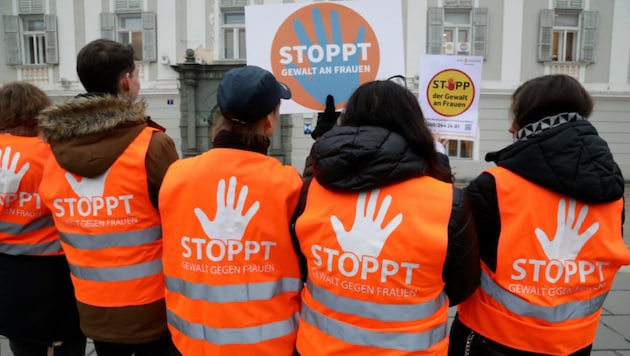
column 570, row 159
column 364, row 158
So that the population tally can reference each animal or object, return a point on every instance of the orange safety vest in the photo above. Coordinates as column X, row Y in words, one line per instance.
column 109, row 230
column 232, row 288
column 556, row 261
column 26, row 227
column 372, row 290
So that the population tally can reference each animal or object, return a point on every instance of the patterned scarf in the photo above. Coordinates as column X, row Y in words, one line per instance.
column 546, row 123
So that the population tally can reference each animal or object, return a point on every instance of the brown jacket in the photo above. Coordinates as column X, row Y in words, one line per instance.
column 86, row 135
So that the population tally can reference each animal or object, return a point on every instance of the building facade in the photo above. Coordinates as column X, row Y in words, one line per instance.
column 518, row 39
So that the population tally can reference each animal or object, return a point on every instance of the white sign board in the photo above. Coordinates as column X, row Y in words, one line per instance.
column 449, row 94
column 325, row 48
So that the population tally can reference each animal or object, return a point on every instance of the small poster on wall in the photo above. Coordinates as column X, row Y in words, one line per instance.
column 449, row 94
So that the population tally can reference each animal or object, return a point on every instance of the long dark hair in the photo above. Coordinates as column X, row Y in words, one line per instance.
column 386, row 104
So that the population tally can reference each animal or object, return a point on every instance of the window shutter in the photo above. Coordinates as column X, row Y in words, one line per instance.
column 234, row 3
column 128, row 5
column 545, row 35
column 52, row 55
column 480, row 31
column 108, row 26
column 149, row 40
column 28, row 7
column 569, row 4
column 590, row 22
column 458, row 3
column 434, row 32
column 12, row 39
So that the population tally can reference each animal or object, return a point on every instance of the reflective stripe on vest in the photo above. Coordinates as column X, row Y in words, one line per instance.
column 378, row 311
column 47, row 247
column 17, row 229
column 406, row 341
column 31, row 249
column 117, row 239
column 120, row 239
column 226, row 336
column 117, row 274
column 233, row 292
column 559, row 313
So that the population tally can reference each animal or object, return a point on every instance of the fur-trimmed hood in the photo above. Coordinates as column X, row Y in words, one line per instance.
column 85, row 115
column 88, row 133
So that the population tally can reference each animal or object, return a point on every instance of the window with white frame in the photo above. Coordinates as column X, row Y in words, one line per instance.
column 460, row 149
column 567, row 33
column 30, row 36
column 34, row 32
column 456, row 32
column 457, row 29
column 130, row 25
column 233, row 33
column 130, row 32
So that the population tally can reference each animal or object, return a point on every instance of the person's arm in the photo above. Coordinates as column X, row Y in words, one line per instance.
column 623, row 215
column 307, row 177
column 327, row 119
column 160, row 155
column 461, row 268
column 482, row 196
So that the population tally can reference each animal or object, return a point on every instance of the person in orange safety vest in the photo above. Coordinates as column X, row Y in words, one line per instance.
column 102, row 188
column 38, row 312
column 388, row 240
column 232, row 276
column 549, row 221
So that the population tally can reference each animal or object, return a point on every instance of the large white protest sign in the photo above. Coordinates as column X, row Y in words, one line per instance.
column 325, row 48
column 449, row 94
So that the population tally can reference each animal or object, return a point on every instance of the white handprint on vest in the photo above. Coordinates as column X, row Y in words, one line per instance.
column 88, row 187
column 10, row 177
column 229, row 221
column 567, row 242
column 366, row 237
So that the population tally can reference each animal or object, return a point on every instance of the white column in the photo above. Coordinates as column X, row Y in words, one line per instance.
column 620, row 56
column 512, row 42
column 92, row 20
column 196, row 15
column 66, row 47
column 167, row 38
column 416, row 34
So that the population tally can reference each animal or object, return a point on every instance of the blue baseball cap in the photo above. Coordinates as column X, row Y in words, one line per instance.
column 249, row 93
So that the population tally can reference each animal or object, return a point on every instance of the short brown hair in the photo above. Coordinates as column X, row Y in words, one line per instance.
column 20, row 103
column 549, row 95
column 101, row 63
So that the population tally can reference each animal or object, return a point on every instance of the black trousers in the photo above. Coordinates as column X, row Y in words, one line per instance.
column 466, row 342
column 68, row 348
column 161, row 347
